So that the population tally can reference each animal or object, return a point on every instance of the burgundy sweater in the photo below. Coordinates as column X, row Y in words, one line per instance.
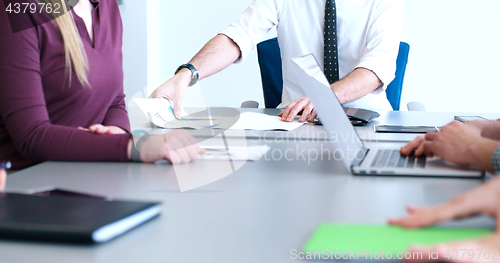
column 40, row 110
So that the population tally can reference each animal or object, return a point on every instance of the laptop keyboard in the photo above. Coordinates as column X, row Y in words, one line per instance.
column 393, row 159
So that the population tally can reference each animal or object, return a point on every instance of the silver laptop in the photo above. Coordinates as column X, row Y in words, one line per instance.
column 356, row 157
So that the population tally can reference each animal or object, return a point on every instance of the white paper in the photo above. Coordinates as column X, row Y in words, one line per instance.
column 251, row 153
column 161, row 113
column 259, row 121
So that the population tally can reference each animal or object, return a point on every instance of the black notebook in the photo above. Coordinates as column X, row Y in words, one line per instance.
column 70, row 219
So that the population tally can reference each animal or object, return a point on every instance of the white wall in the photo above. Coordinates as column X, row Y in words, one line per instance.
column 454, row 47
column 135, row 60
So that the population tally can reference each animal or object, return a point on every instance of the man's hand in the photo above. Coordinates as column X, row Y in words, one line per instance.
column 483, row 200
column 301, row 106
column 175, row 90
column 452, row 143
column 177, row 147
column 101, row 129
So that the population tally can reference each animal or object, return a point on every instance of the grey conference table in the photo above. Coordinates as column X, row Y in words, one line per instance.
column 258, row 213
column 312, row 132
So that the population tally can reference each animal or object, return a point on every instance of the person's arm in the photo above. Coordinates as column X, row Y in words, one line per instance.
column 456, row 143
column 117, row 114
column 216, row 55
column 116, row 120
column 354, row 86
column 232, row 45
column 488, row 129
column 483, row 200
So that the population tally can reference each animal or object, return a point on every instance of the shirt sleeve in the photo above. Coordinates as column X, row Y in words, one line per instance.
column 24, row 111
column 383, row 38
column 117, row 114
column 495, row 159
column 253, row 24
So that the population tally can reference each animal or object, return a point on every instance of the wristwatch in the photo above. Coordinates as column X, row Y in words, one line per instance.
column 194, row 73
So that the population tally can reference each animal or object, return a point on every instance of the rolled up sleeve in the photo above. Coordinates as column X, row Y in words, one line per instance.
column 252, row 25
column 383, row 38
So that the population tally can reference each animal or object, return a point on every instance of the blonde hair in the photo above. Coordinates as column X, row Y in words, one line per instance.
column 74, row 52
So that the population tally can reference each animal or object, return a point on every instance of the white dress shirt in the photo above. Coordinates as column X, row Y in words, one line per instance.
column 369, row 32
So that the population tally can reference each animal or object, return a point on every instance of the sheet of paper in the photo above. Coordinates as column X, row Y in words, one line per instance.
column 161, row 113
column 251, row 153
column 342, row 238
column 259, row 121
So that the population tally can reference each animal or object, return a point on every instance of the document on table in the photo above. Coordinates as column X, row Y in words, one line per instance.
column 161, row 113
column 250, row 153
column 259, row 121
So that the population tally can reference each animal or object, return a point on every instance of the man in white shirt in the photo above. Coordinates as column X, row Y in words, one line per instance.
column 368, row 31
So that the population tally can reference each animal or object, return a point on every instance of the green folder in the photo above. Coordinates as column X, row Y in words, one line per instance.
column 361, row 239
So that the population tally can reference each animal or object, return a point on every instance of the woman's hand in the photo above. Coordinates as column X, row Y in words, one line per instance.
column 101, row 129
column 483, row 200
column 176, row 147
column 301, row 106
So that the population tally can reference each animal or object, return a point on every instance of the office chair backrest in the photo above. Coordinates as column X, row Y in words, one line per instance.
column 272, row 74
column 394, row 89
column 271, row 71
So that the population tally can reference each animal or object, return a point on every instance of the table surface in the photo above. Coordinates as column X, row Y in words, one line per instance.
column 258, row 213
column 310, row 131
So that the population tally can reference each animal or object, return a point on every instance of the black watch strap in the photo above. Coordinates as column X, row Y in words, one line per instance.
column 194, row 73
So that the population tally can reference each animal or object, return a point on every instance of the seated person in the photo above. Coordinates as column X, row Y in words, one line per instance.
column 64, row 74
column 355, row 42
column 475, row 143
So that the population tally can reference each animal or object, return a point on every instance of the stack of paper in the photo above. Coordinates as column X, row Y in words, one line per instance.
column 259, row 121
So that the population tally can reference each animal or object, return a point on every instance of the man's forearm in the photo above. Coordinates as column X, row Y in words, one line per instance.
column 356, row 85
column 216, row 55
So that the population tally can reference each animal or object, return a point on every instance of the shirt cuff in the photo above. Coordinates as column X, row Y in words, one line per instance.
column 495, row 159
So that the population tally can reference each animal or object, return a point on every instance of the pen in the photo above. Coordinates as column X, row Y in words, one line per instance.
column 5, row 165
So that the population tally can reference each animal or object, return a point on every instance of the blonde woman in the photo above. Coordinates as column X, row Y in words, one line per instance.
column 65, row 74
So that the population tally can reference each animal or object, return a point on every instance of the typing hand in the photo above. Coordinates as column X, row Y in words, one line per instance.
column 300, row 106
column 101, row 129
column 452, row 143
column 175, row 90
column 483, row 200
column 176, row 147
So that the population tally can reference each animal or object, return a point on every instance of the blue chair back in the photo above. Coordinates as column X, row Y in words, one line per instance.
column 395, row 89
column 271, row 73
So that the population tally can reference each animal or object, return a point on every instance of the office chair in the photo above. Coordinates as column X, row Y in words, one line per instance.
column 272, row 75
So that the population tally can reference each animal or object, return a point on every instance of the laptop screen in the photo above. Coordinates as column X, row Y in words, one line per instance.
column 348, row 146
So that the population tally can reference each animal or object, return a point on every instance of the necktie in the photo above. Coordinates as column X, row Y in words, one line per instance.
column 331, row 48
